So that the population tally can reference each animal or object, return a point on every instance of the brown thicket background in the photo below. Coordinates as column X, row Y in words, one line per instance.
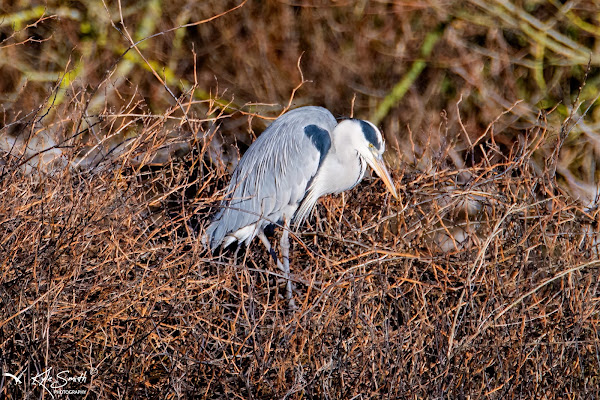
column 121, row 122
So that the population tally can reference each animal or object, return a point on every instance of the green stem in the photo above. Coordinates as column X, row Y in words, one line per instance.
column 400, row 89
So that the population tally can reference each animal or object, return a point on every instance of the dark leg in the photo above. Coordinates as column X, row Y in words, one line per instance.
column 285, row 267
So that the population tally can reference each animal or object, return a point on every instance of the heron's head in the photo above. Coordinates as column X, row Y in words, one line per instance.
column 366, row 139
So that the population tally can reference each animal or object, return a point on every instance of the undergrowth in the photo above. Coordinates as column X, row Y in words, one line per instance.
column 117, row 142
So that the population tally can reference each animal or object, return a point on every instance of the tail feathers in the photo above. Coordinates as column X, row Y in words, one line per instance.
column 217, row 235
column 213, row 237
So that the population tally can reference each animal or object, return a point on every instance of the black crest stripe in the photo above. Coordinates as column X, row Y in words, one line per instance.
column 370, row 134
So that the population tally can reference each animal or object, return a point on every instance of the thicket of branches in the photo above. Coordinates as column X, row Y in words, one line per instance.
column 482, row 281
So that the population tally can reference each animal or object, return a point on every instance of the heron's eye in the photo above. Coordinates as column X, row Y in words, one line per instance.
column 371, row 146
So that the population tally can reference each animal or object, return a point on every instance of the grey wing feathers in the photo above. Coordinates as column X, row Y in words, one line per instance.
column 273, row 174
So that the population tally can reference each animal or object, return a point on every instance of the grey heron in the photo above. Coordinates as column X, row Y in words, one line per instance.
column 303, row 155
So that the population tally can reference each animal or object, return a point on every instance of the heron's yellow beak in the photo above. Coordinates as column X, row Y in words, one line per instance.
column 376, row 162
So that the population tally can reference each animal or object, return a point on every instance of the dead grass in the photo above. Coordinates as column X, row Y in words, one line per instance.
column 482, row 282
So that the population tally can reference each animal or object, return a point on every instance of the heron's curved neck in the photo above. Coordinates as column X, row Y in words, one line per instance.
column 342, row 168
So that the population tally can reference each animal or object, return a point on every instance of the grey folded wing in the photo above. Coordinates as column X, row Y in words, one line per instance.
column 273, row 175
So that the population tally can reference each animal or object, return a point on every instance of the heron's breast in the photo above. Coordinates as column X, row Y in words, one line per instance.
column 337, row 175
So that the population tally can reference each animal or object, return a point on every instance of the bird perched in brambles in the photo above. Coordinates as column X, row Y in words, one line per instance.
column 303, row 155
